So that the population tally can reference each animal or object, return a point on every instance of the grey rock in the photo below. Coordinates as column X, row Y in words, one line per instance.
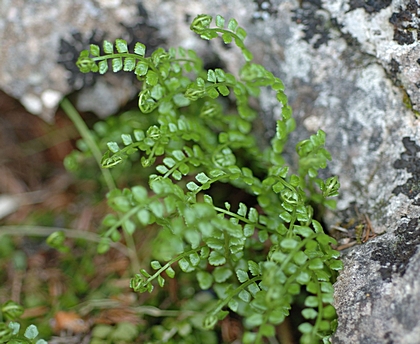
column 42, row 39
column 348, row 70
column 387, row 30
column 350, row 67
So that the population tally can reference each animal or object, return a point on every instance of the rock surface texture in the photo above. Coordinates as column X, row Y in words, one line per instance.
column 41, row 41
column 351, row 67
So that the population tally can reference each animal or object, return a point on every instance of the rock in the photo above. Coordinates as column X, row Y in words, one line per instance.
column 41, row 41
column 350, row 67
column 387, row 30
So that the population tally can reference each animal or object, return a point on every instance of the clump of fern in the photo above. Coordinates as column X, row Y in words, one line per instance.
column 256, row 259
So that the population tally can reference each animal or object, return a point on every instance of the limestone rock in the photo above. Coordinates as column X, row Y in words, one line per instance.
column 41, row 41
column 350, row 67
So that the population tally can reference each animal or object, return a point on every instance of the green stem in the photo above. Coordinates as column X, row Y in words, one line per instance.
column 84, row 131
column 70, row 233
column 121, row 220
column 221, row 303
column 240, row 218
column 87, row 307
column 129, row 240
column 292, row 223
column 287, row 185
column 87, row 137
column 122, row 55
column 320, row 305
column 135, row 56
column 173, row 260
column 171, row 170
column 236, row 37
column 291, row 254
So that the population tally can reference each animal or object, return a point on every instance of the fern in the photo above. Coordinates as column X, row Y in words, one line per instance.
column 9, row 332
column 256, row 259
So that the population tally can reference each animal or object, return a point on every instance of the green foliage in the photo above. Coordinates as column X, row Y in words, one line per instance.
column 122, row 333
column 9, row 331
column 256, row 259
